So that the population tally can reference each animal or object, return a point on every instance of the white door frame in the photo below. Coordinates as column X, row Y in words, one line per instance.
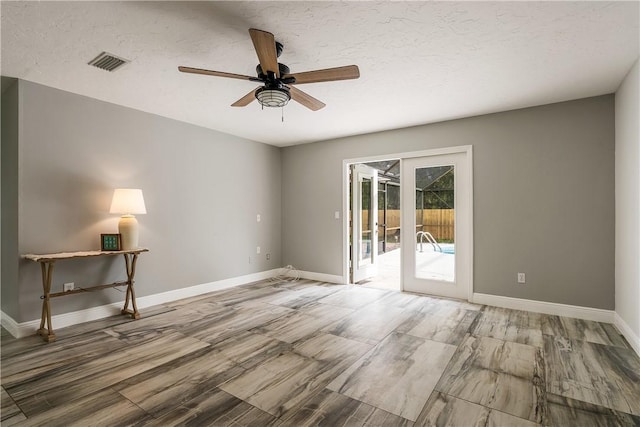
column 468, row 149
column 459, row 286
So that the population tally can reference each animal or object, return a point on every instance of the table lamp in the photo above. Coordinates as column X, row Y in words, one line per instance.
column 128, row 201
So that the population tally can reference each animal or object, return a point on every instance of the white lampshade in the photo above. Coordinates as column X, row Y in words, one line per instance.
column 127, row 201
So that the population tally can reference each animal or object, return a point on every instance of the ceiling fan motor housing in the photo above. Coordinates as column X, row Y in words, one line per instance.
column 283, row 70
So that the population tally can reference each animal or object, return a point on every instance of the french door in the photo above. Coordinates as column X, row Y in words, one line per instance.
column 437, row 225
column 364, row 222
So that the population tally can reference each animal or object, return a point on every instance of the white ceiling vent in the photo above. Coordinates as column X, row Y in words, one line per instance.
column 107, row 61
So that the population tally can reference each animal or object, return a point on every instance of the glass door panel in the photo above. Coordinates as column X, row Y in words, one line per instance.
column 435, row 211
column 365, row 222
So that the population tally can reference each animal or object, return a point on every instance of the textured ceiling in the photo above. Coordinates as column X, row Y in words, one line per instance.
column 420, row 62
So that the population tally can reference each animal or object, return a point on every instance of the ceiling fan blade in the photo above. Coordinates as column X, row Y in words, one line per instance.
column 216, row 73
column 245, row 100
column 265, row 45
column 305, row 99
column 327, row 75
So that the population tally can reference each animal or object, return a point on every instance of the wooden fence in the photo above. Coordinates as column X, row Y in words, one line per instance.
column 439, row 222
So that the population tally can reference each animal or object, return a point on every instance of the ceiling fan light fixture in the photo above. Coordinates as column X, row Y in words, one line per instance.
column 273, row 97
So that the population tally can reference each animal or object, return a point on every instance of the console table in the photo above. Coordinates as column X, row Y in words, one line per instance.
column 47, row 262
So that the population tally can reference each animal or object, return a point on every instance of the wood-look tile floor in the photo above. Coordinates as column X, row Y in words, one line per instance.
column 307, row 353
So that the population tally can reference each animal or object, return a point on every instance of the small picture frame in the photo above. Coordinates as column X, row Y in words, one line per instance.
column 110, row 242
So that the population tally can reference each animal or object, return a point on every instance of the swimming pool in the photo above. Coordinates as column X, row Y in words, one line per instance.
column 448, row 248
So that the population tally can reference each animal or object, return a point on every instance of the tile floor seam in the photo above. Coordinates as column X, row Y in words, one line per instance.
column 484, row 406
column 130, row 401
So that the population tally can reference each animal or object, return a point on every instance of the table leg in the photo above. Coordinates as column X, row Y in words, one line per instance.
column 46, row 333
column 130, row 264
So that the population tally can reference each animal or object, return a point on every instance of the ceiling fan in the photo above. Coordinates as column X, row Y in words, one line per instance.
column 278, row 82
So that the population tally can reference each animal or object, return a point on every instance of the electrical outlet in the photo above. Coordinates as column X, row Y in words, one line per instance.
column 258, row 218
column 258, row 249
column 68, row 287
column 268, row 257
column 249, row 260
column 521, row 278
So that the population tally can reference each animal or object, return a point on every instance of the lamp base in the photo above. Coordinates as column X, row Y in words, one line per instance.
column 128, row 228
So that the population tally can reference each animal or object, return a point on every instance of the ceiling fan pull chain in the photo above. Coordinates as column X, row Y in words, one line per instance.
column 282, row 114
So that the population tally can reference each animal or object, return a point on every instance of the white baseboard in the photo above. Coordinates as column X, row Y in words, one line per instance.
column 24, row 329
column 576, row 311
column 204, row 288
column 627, row 332
column 10, row 325
column 30, row 327
column 320, row 277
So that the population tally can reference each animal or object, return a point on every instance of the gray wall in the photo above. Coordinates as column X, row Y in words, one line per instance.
column 202, row 190
column 543, row 198
column 628, row 201
column 9, row 196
